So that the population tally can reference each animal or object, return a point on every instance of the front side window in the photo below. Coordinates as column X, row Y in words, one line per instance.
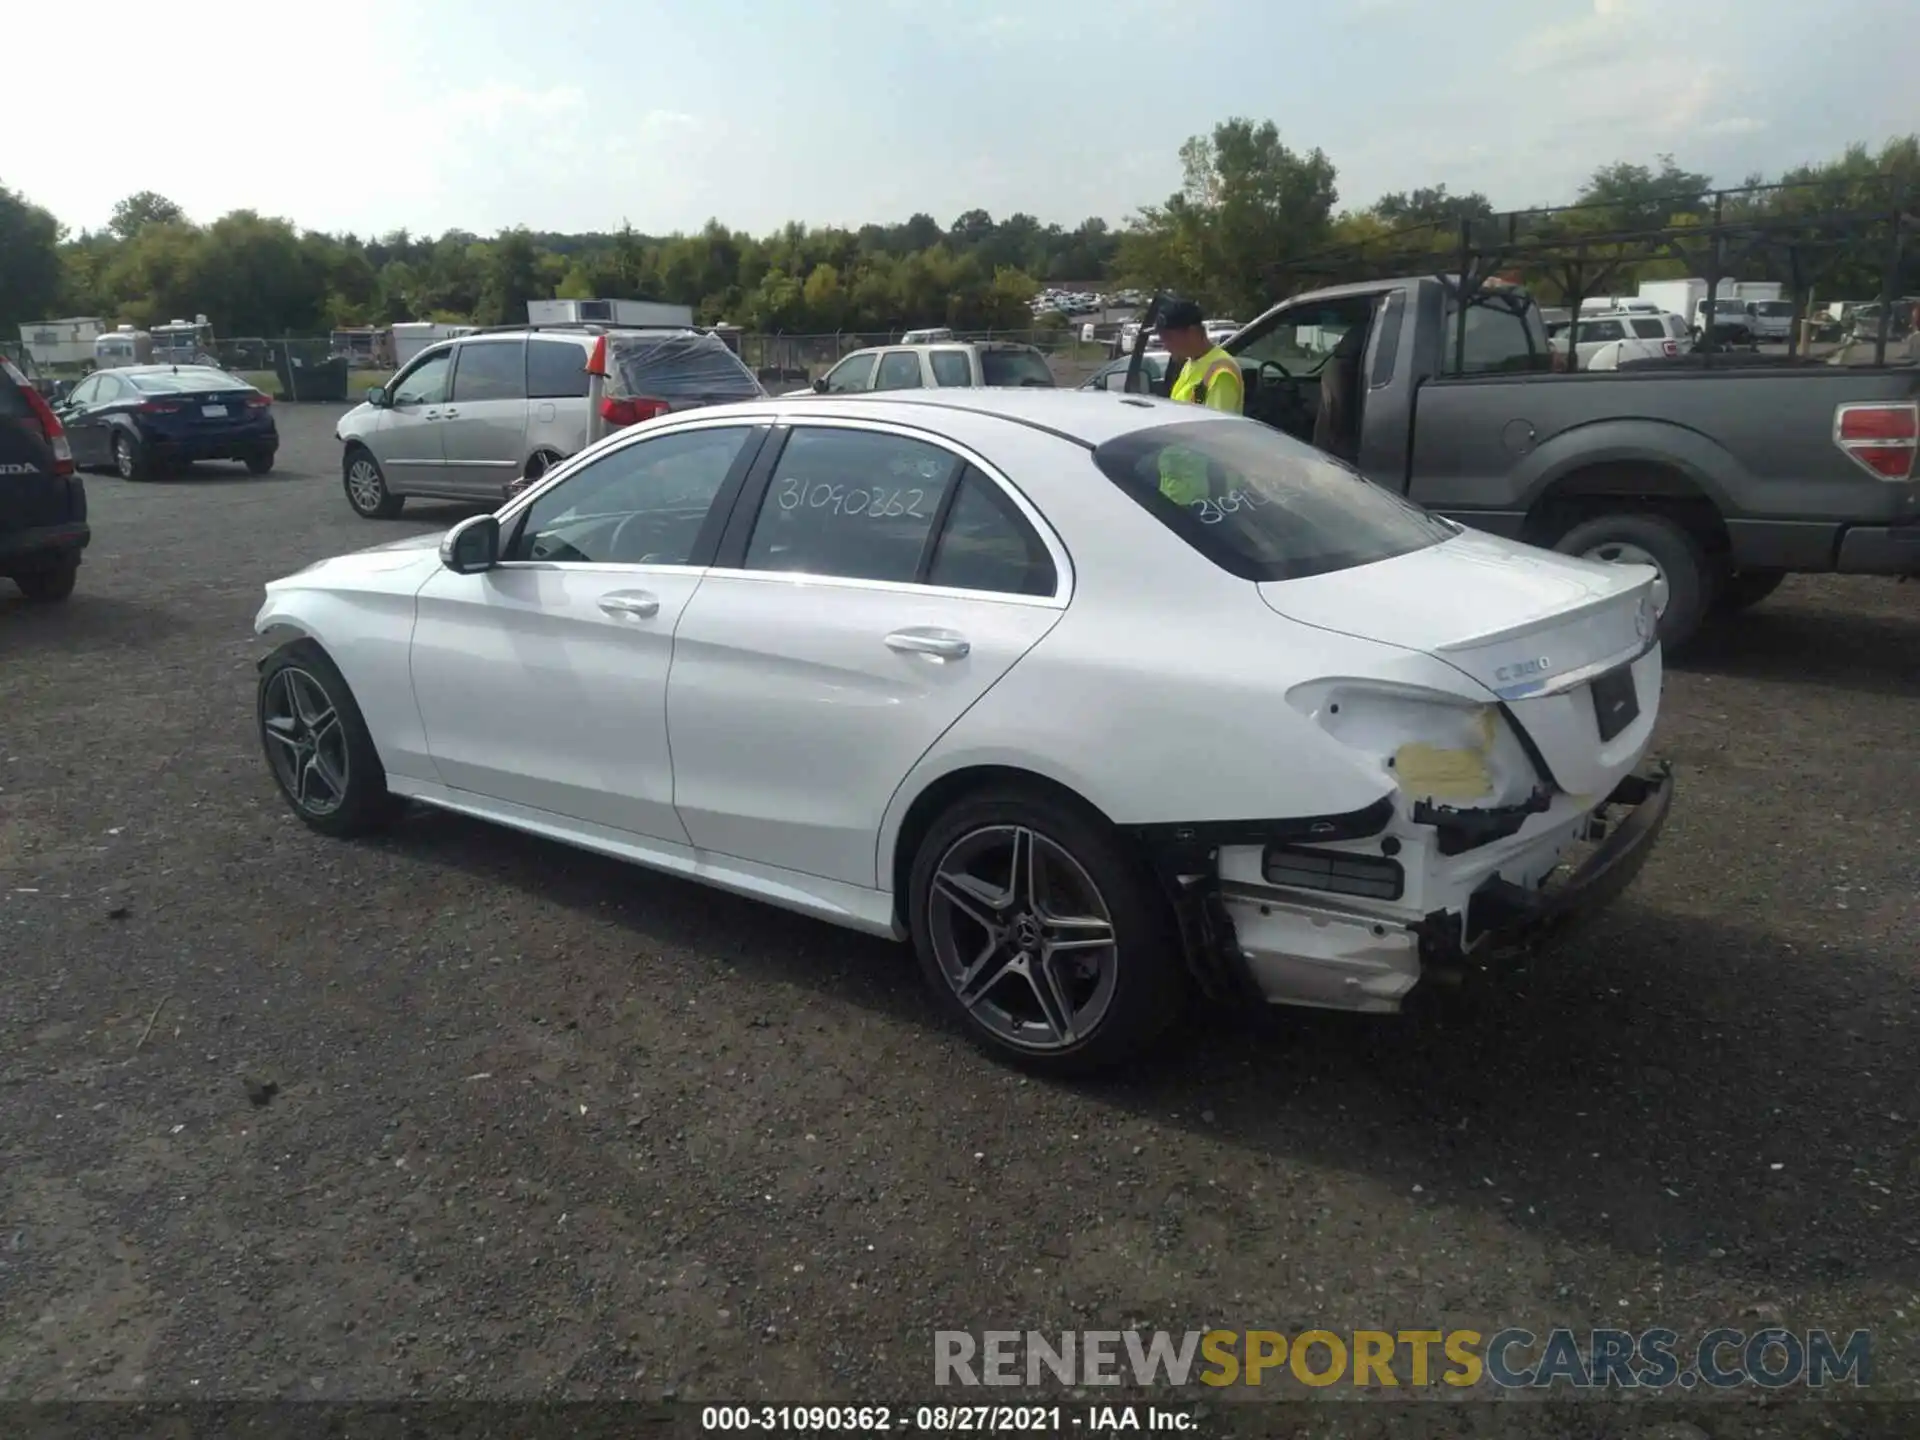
column 1274, row 508
column 426, row 383
column 643, row 504
column 950, row 367
column 491, row 370
column 855, row 504
column 1012, row 368
column 1301, row 341
column 556, row 370
column 899, row 370
column 852, row 373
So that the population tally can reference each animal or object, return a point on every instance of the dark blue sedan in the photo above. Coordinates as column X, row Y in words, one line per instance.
column 140, row 419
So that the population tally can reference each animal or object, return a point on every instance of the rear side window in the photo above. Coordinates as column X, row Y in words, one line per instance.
column 854, row 504
column 987, row 544
column 493, row 370
column 1649, row 329
column 950, row 367
column 1261, row 506
column 1501, row 337
column 556, row 370
column 1014, row 367
column 899, row 370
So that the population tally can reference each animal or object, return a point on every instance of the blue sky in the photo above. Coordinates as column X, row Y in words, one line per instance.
column 480, row 114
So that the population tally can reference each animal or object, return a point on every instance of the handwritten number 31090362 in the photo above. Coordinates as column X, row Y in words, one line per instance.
column 876, row 501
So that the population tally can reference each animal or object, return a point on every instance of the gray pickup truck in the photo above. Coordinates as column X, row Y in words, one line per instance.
column 1724, row 478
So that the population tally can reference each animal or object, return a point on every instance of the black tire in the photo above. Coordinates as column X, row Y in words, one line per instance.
column 1682, row 563
column 1138, row 984
column 53, row 580
column 360, row 471
column 130, row 460
column 327, row 736
column 261, row 463
column 1744, row 589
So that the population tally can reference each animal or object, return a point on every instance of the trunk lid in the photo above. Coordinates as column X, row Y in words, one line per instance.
column 1535, row 628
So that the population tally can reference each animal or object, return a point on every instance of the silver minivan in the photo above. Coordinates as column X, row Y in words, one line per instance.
column 471, row 418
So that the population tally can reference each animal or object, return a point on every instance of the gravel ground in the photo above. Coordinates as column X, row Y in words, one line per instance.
column 459, row 1113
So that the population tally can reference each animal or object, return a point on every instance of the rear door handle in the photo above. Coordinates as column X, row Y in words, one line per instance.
column 925, row 640
column 631, row 604
column 448, row 414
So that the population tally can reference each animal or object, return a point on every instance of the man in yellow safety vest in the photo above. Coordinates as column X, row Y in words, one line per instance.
column 1208, row 376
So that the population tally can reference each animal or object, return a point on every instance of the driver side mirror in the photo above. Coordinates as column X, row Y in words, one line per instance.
column 820, row 386
column 472, row 546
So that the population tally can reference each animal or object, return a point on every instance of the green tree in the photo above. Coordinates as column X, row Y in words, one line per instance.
column 511, row 277
column 825, row 298
column 139, row 210
column 1431, row 205
column 1247, row 203
column 31, row 273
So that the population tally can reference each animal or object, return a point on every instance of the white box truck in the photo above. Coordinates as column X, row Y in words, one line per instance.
column 609, row 312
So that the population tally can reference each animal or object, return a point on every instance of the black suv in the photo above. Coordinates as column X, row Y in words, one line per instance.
column 43, row 504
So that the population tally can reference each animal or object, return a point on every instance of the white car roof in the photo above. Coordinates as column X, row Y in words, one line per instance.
column 1086, row 417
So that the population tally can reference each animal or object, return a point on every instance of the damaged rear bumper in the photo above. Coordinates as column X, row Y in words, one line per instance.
column 1291, row 946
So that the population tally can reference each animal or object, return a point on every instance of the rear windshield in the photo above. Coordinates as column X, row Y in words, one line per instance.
column 13, row 403
column 1261, row 506
column 1014, row 367
column 685, row 369
column 173, row 382
column 1774, row 307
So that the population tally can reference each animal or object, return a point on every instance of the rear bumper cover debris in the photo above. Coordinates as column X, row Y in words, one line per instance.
column 1281, row 945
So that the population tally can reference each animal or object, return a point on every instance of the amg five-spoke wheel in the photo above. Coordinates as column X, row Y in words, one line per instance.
column 317, row 744
column 306, row 743
column 1023, row 936
column 1042, row 931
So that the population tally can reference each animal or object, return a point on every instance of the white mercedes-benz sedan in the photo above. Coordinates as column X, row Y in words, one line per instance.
column 1094, row 698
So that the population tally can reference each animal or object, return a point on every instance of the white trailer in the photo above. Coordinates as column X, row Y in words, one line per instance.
column 609, row 312
column 410, row 337
column 62, row 342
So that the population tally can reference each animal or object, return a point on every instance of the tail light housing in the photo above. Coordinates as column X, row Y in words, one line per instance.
column 51, row 430
column 259, row 402
column 159, row 407
column 1879, row 437
column 631, row 410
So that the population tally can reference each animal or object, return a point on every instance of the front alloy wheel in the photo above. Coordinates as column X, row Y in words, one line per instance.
column 306, row 742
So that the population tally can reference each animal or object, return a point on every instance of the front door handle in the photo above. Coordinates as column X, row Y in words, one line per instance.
column 925, row 640
column 631, row 604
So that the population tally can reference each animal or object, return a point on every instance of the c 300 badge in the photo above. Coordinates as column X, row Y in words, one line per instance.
column 1522, row 669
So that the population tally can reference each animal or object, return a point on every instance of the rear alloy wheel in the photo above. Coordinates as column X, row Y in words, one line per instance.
column 52, row 581
column 1683, row 585
column 366, row 487
column 317, row 745
column 129, row 457
column 1042, row 935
